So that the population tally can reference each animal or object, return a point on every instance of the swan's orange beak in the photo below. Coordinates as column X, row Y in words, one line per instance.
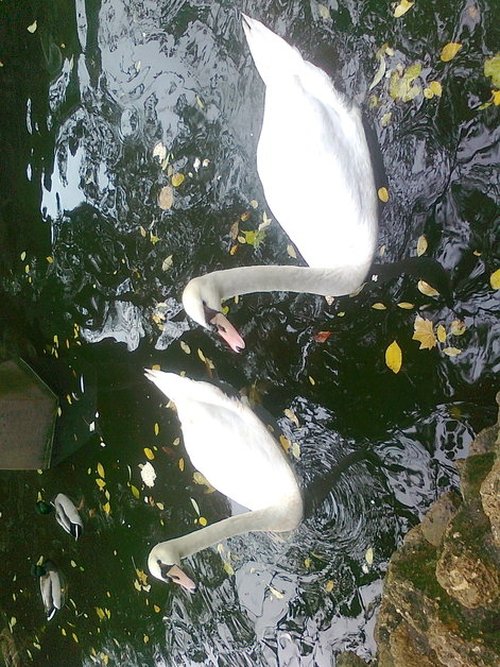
column 180, row 577
column 226, row 331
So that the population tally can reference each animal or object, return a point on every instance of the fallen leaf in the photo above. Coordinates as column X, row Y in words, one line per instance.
column 441, row 333
column 148, row 474
column 135, row 492
column 324, row 12
column 181, row 464
column 495, row 279
column 449, row 51
column 421, row 245
column 32, row 28
column 296, row 450
column 424, row 333
column 167, row 263
column 177, row 179
column 291, row 251
column 452, row 351
column 491, row 69
column 379, row 306
column 100, row 470
column 277, row 594
column 405, row 305
column 426, row 289
column 369, row 556
column 393, row 357
column 402, row 8
column 401, row 83
column 285, row 443
column 329, row 586
column 321, row 336
column 436, row 88
column 291, row 416
column 165, row 198
column 160, row 151
column 149, row 453
column 383, row 194
column 185, row 347
column 457, row 328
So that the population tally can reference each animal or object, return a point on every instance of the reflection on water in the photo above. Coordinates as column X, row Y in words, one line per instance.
column 106, row 82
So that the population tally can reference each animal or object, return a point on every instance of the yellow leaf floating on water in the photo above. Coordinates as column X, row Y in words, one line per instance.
column 393, row 357
column 202, row 521
column 424, row 333
column 426, row 289
column 369, row 556
column 100, row 483
column 135, row 491
column 177, row 179
column 165, row 198
column 405, row 305
column 449, row 51
column 285, row 443
column 402, row 8
column 451, row 351
column 277, row 594
column 379, row 306
column 149, row 453
column 185, row 347
column 495, row 279
column 156, row 428
column 329, row 586
column 291, row 251
column 106, row 508
column 441, row 333
column 181, row 464
column 100, row 470
column 296, row 450
column 434, row 89
column 32, row 28
column 421, row 245
column 291, row 416
column 228, row 568
column 324, row 12
column 167, row 263
column 457, row 328
column 383, row 194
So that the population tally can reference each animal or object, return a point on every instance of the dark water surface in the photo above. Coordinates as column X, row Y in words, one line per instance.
column 86, row 96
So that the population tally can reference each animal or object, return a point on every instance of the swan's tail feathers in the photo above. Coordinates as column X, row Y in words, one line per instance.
column 182, row 389
column 273, row 57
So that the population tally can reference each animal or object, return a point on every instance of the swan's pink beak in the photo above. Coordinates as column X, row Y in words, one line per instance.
column 180, row 577
column 226, row 331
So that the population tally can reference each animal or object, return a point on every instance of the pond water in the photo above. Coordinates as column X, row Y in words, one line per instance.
column 92, row 270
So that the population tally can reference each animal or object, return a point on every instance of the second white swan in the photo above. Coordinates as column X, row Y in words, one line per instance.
column 236, row 453
column 314, row 164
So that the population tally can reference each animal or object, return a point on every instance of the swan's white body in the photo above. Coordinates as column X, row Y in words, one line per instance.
column 314, row 164
column 236, row 453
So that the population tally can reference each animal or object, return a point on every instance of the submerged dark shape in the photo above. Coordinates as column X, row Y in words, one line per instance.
column 28, row 411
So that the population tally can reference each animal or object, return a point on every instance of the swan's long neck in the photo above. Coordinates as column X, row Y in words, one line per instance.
column 269, row 519
column 326, row 282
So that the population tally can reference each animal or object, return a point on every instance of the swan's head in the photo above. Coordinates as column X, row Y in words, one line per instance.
column 164, row 564
column 202, row 302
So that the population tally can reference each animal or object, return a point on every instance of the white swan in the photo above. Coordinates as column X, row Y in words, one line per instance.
column 315, row 168
column 236, row 453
